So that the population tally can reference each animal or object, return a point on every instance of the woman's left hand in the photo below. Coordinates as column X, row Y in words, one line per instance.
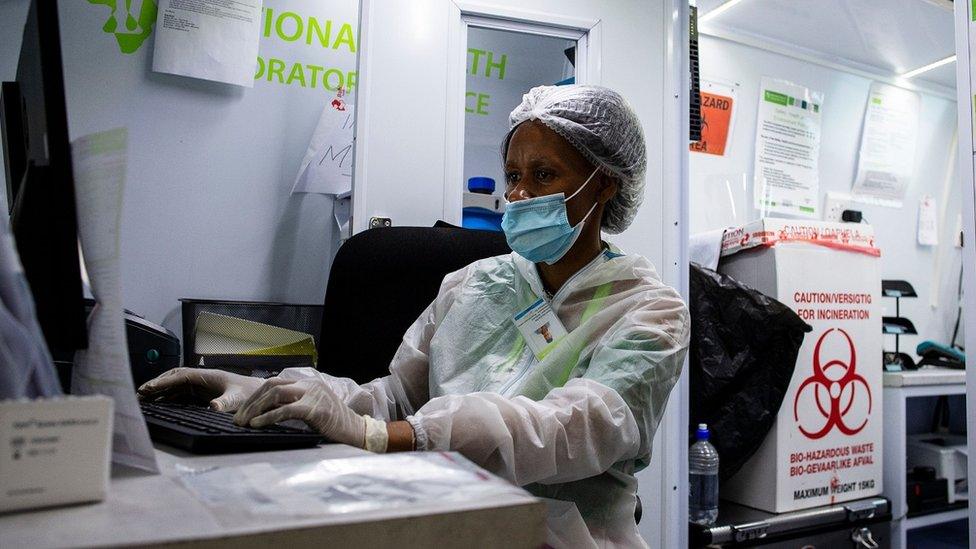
column 310, row 400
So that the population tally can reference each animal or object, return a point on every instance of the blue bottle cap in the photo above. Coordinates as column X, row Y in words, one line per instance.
column 484, row 185
column 702, row 433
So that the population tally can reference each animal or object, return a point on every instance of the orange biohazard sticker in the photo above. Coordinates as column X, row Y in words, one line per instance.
column 716, row 111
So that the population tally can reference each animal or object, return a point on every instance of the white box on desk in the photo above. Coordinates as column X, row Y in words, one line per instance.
column 946, row 453
column 825, row 446
column 54, row 451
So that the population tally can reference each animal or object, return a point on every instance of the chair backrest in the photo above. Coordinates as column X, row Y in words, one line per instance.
column 380, row 282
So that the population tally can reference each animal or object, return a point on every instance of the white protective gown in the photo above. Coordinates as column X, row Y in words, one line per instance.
column 572, row 427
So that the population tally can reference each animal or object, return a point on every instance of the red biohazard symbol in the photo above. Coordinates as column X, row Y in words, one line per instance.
column 840, row 392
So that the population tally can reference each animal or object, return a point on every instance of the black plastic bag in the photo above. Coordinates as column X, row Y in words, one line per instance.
column 743, row 350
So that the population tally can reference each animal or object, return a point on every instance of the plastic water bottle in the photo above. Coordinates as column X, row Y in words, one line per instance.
column 702, row 479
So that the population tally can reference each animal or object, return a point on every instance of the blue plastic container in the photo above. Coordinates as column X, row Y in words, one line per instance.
column 481, row 218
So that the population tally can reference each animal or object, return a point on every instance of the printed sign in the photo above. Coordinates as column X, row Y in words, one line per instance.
column 787, row 172
column 886, row 161
column 717, row 107
column 825, row 447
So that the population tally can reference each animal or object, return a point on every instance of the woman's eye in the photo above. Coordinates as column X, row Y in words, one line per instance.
column 512, row 177
column 543, row 175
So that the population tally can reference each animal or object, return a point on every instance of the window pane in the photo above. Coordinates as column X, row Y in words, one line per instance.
column 501, row 67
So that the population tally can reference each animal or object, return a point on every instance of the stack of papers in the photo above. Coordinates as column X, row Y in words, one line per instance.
column 221, row 340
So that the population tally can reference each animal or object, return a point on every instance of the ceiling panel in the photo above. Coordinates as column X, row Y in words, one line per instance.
column 894, row 36
column 945, row 75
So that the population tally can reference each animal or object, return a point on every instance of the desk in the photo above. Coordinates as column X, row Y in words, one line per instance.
column 155, row 510
column 898, row 388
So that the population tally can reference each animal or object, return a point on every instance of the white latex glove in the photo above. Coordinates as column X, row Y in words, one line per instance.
column 310, row 400
column 226, row 391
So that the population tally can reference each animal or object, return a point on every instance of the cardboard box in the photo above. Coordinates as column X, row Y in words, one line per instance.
column 54, row 451
column 825, row 446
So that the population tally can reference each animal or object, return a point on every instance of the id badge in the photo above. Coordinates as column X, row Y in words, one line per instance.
column 540, row 327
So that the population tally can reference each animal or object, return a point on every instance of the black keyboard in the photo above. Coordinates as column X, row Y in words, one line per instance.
column 201, row 430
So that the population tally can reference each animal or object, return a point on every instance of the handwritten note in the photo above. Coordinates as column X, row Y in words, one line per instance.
column 327, row 165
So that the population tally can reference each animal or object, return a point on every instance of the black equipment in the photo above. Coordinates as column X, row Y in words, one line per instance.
column 380, row 282
column 859, row 523
column 204, row 431
column 925, row 491
column 40, row 185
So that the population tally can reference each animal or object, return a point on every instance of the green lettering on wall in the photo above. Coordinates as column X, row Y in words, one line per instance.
column 316, row 29
column 268, row 18
column 307, row 76
column 499, row 65
column 327, row 79
column 290, row 26
column 480, row 103
column 297, row 73
column 475, row 56
column 491, row 62
column 276, row 67
column 345, row 37
column 315, row 73
column 130, row 30
column 279, row 24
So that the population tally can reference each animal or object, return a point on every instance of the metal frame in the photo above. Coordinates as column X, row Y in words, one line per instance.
column 674, row 271
column 964, row 109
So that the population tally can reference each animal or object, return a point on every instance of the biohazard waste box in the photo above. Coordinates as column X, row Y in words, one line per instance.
column 825, row 446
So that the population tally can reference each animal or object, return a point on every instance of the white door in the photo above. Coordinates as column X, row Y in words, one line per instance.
column 410, row 143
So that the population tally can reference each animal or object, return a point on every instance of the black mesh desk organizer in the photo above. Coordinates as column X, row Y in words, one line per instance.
column 299, row 317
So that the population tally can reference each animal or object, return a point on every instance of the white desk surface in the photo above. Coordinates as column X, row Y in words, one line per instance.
column 924, row 376
column 147, row 510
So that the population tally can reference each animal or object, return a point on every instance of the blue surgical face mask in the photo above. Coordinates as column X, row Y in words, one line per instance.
column 538, row 228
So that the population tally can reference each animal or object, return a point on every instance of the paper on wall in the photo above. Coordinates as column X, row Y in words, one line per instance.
column 886, row 160
column 209, row 39
column 327, row 165
column 99, row 169
column 718, row 118
column 787, row 175
column 928, row 223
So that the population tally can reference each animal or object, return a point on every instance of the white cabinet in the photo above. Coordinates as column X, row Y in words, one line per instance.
column 896, row 403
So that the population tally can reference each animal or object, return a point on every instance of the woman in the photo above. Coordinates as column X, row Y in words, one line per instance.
column 570, row 420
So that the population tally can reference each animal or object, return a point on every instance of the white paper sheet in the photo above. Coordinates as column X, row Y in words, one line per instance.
column 886, row 161
column 327, row 165
column 209, row 39
column 928, row 222
column 99, row 171
column 787, row 174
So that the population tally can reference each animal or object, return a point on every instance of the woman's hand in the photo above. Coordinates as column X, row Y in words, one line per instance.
column 310, row 400
column 225, row 391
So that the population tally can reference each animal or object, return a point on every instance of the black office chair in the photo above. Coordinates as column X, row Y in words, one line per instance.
column 380, row 282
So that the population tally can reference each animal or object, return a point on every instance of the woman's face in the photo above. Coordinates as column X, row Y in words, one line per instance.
column 540, row 162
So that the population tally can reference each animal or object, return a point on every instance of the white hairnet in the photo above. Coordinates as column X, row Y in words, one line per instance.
column 602, row 126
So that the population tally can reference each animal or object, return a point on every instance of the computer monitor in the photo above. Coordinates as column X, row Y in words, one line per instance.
column 40, row 186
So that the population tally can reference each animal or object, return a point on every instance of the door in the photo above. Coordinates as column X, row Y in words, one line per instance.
column 410, row 144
